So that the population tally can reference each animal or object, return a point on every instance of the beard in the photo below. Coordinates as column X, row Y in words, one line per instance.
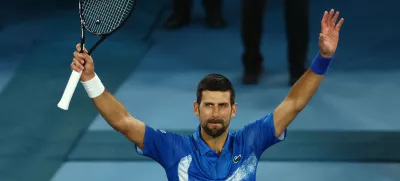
column 214, row 132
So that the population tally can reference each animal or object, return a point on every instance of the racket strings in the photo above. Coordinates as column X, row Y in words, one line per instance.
column 103, row 16
column 110, row 11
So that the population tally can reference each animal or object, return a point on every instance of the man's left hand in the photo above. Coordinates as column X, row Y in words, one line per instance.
column 329, row 36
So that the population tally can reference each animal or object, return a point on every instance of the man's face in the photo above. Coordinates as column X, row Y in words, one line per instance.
column 215, row 112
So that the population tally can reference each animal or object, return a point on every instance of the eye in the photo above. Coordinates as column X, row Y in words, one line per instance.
column 223, row 105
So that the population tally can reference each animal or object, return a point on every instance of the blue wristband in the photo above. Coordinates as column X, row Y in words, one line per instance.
column 320, row 65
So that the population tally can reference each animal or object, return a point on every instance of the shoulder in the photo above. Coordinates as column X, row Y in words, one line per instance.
column 253, row 127
column 172, row 136
column 163, row 140
column 162, row 133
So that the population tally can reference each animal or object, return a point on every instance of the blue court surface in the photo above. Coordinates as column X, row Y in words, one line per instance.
column 348, row 132
column 283, row 171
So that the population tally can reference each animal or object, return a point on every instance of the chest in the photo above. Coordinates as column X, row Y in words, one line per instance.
column 227, row 166
column 214, row 166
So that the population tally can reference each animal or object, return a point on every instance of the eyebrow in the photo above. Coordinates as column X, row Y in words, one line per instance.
column 215, row 103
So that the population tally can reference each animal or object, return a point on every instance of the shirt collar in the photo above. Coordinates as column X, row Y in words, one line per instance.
column 204, row 148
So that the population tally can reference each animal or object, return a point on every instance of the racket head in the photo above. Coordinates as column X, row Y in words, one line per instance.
column 102, row 17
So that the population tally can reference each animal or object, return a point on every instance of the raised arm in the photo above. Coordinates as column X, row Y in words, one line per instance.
column 303, row 90
column 109, row 107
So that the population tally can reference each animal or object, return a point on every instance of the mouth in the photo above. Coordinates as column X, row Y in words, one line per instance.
column 214, row 124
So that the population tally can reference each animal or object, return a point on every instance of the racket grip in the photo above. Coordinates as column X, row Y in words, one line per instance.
column 69, row 90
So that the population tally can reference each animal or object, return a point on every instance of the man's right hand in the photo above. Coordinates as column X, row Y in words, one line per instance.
column 83, row 62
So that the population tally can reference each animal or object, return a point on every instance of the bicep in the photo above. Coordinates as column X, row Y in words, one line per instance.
column 260, row 134
column 162, row 146
column 134, row 130
column 284, row 114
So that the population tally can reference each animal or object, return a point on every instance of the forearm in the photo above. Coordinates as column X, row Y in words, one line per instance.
column 109, row 107
column 305, row 88
column 112, row 111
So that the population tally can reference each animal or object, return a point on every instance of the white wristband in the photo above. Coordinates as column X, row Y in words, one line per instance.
column 94, row 87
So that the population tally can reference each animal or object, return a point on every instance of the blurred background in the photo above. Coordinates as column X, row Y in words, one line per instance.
column 348, row 132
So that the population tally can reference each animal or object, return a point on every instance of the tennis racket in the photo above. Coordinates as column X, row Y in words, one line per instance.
column 101, row 18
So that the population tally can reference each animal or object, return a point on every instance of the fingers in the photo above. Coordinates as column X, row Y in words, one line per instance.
column 81, row 56
column 324, row 20
column 80, row 60
column 334, row 19
column 329, row 20
column 78, row 48
column 77, row 65
column 339, row 25
column 331, row 13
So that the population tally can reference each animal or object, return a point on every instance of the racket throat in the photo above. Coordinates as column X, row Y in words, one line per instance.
column 97, row 44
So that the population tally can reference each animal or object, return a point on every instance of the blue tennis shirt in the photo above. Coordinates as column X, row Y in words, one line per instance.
column 188, row 158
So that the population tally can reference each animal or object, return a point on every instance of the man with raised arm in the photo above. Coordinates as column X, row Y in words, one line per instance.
column 212, row 152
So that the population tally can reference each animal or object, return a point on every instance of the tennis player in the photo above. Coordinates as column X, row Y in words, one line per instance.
column 212, row 152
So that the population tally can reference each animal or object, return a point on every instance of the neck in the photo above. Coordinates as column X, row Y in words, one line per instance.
column 216, row 143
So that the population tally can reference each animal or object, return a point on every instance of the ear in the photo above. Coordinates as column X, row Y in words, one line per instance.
column 196, row 108
column 233, row 113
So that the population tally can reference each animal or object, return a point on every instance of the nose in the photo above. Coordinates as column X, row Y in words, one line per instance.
column 215, row 112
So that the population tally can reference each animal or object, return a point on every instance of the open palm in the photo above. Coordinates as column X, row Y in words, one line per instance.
column 329, row 36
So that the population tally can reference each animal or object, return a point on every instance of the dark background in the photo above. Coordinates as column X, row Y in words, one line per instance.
column 353, row 118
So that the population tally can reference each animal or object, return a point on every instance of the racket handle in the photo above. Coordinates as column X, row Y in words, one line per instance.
column 69, row 90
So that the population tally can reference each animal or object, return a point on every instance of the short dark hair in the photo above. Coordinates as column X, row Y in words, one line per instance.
column 215, row 82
